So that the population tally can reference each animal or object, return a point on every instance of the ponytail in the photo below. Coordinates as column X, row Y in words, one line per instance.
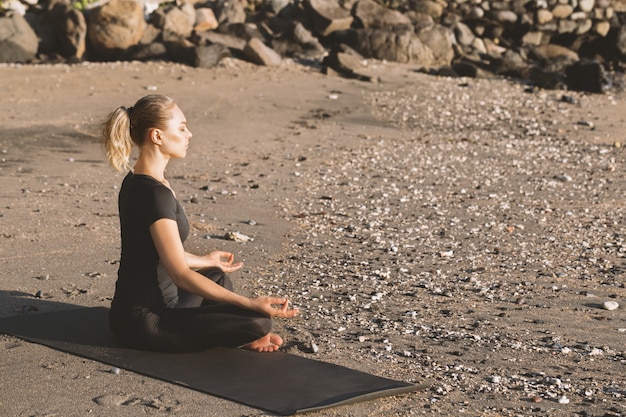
column 117, row 141
column 123, row 127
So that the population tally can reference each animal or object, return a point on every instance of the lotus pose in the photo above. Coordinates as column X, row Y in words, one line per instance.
column 167, row 299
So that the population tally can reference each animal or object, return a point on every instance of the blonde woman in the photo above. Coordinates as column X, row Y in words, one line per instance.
column 167, row 299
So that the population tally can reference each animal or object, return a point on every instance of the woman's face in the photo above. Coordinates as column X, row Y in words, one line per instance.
column 175, row 138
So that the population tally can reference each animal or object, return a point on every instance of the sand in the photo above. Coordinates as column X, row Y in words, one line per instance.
column 460, row 232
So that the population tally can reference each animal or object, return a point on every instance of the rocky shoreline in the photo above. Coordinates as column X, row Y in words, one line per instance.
column 572, row 44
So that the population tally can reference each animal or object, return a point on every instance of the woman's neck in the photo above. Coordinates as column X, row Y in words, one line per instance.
column 152, row 165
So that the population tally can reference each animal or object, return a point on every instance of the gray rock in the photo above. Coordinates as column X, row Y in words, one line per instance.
column 439, row 41
column 431, row 8
column 373, row 15
column 155, row 51
column 346, row 62
column 398, row 46
column 209, row 38
column 298, row 42
column 259, row 53
column 463, row 34
column 18, row 41
column 209, row 56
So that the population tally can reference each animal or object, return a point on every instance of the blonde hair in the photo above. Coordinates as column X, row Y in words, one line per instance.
column 125, row 126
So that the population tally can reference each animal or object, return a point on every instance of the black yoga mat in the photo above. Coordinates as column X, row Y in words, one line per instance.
column 249, row 378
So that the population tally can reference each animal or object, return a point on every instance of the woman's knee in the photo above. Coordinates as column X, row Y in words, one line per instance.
column 218, row 276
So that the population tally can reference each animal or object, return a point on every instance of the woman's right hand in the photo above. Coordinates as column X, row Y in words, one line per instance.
column 273, row 307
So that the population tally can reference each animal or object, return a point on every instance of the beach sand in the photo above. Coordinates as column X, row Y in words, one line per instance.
column 460, row 232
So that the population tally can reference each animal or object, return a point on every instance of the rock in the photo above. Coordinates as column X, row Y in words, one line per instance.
column 259, row 53
column 18, row 41
column 327, row 16
column 155, row 51
column 562, row 11
column 463, row 34
column 230, row 11
column 551, row 51
column 620, row 42
column 584, row 26
column 420, row 21
column 346, row 62
column 232, row 42
column 150, row 34
column 115, row 27
column 237, row 237
column 398, row 46
column 587, row 76
column 427, row 7
column 178, row 24
column 586, row 5
column 439, row 41
column 205, row 20
column 504, row 16
column 372, row 15
column 63, row 30
column 567, row 26
column 602, row 28
column 297, row 41
column 544, row 16
column 209, row 56
column 532, row 38
column 610, row 305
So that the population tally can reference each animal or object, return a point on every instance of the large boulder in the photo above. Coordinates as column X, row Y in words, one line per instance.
column 439, row 40
column 372, row 15
column 397, row 46
column 18, row 42
column 68, row 29
column 115, row 27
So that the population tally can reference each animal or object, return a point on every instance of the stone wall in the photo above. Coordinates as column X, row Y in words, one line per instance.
column 549, row 43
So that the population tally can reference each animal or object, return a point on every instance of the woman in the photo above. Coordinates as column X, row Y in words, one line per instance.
column 165, row 298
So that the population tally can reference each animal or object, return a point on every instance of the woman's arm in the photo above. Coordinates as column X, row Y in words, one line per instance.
column 220, row 259
column 175, row 260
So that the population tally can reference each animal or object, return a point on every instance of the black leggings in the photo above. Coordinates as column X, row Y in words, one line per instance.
column 194, row 324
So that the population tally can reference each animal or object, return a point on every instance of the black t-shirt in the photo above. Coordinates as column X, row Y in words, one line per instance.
column 142, row 282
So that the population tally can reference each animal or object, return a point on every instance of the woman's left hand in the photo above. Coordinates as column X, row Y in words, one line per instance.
column 223, row 260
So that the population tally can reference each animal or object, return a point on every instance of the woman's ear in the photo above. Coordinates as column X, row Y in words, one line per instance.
column 155, row 136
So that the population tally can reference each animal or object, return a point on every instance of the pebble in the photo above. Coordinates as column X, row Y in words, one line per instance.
column 610, row 305
column 498, row 237
column 314, row 347
column 564, row 400
column 115, row 371
column 237, row 237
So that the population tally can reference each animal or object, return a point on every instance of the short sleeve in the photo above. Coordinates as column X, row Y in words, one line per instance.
column 160, row 203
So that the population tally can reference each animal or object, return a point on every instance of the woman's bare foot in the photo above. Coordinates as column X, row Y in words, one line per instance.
column 268, row 343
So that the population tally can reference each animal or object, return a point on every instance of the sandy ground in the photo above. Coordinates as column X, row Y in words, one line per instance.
column 459, row 232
